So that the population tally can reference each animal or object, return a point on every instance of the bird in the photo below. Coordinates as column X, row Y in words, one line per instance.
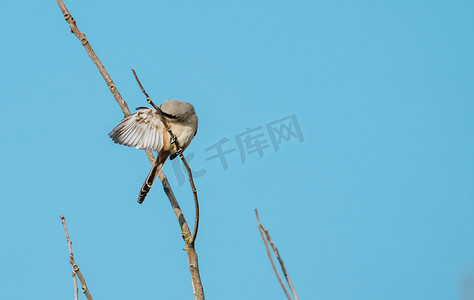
column 145, row 130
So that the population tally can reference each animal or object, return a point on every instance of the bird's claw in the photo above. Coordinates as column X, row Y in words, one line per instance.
column 179, row 152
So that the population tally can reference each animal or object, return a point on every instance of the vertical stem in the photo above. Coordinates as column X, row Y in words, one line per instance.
column 261, row 229
column 186, row 234
column 76, row 290
column 75, row 267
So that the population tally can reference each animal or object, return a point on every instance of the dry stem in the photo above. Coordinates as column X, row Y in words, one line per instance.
column 75, row 267
column 261, row 229
column 196, row 202
column 265, row 238
column 277, row 254
column 185, row 232
column 76, row 290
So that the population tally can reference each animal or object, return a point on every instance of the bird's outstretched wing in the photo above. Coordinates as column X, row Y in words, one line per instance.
column 142, row 130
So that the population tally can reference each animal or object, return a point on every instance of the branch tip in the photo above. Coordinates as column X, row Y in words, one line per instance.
column 267, row 239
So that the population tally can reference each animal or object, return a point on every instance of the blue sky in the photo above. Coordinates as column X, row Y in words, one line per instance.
column 373, row 200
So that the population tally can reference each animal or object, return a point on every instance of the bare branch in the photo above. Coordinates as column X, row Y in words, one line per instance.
column 277, row 254
column 75, row 267
column 196, row 202
column 148, row 99
column 262, row 229
column 185, row 232
column 76, row 290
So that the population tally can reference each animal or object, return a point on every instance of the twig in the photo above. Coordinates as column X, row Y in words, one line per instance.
column 148, row 99
column 183, row 159
column 75, row 267
column 265, row 238
column 261, row 229
column 196, row 202
column 277, row 254
column 76, row 290
column 185, row 232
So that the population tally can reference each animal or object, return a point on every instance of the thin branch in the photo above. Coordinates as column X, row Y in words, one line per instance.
column 185, row 232
column 183, row 159
column 76, row 290
column 261, row 229
column 71, row 256
column 277, row 254
column 75, row 267
column 148, row 99
column 196, row 202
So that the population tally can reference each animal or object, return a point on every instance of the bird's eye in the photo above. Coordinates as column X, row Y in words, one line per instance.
column 169, row 116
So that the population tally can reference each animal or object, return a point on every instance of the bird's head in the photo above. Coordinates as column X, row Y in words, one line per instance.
column 174, row 109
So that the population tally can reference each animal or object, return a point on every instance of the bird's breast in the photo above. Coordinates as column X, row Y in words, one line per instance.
column 184, row 132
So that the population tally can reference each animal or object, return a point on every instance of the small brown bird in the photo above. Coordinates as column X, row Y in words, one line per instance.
column 145, row 130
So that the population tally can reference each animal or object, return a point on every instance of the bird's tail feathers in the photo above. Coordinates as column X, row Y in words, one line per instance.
column 160, row 160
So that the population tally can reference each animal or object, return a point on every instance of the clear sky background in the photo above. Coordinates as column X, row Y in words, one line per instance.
column 376, row 201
